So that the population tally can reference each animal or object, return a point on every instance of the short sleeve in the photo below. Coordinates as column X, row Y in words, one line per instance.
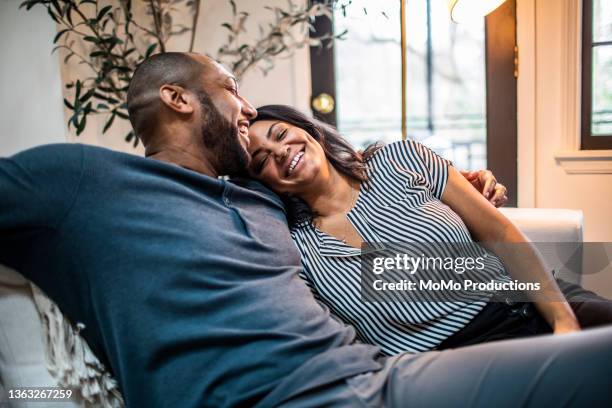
column 37, row 187
column 416, row 157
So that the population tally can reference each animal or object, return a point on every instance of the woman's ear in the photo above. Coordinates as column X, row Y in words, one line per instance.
column 176, row 98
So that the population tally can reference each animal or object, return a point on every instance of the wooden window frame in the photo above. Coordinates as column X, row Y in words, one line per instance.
column 501, row 83
column 588, row 141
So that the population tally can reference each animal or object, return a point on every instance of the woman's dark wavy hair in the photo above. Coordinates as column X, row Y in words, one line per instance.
column 340, row 153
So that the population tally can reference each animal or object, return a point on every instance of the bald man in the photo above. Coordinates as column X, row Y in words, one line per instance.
column 188, row 285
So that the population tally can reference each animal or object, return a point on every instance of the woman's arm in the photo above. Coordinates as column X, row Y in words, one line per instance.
column 489, row 227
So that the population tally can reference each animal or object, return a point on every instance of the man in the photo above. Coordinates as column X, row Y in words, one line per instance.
column 188, row 284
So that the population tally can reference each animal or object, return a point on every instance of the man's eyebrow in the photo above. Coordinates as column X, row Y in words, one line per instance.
column 270, row 129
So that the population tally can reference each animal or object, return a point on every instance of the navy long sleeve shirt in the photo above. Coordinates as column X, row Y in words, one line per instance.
column 187, row 285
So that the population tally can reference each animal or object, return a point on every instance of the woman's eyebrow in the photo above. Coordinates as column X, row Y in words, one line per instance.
column 270, row 129
column 268, row 134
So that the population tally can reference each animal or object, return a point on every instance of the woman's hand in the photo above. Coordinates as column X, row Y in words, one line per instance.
column 485, row 182
column 567, row 324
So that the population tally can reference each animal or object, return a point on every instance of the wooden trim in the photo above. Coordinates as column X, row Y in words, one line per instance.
column 585, row 161
column 323, row 77
column 404, row 68
column 526, row 103
column 500, row 39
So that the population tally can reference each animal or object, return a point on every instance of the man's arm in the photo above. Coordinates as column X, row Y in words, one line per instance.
column 37, row 188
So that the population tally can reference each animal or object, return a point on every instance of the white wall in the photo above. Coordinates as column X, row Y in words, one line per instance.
column 288, row 83
column 31, row 103
column 549, row 112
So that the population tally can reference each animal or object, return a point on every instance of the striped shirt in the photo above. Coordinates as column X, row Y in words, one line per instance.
column 400, row 202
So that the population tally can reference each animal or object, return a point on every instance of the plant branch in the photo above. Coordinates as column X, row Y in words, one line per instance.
column 194, row 24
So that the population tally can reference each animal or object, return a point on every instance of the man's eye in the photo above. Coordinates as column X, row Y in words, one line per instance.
column 281, row 135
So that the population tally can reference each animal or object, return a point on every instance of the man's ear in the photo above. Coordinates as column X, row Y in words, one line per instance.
column 176, row 98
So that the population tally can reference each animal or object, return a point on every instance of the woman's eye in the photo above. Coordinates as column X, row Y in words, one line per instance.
column 261, row 164
column 281, row 134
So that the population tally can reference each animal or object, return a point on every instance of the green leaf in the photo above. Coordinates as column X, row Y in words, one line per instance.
column 102, row 106
column 78, row 89
column 92, row 39
column 103, row 12
column 87, row 95
column 150, row 50
column 68, row 57
column 59, row 34
column 68, row 104
column 28, row 4
column 53, row 16
column 69, row 14
column 122, row 115
column 109, row 122
column 81, row 125
column 57, row 7
column 233, row 4
column 97, row 54
column 106, row 98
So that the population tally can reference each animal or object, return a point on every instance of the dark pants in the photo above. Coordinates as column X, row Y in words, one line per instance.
column 507, row 320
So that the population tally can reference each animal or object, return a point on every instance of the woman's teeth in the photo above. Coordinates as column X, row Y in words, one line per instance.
column 295, row 161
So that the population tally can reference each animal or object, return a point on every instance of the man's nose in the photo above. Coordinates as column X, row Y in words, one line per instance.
column 248, row 110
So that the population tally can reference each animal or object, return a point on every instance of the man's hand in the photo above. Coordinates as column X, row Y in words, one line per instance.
column 484, row 181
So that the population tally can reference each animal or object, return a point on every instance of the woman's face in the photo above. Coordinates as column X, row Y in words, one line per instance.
column 285, row 157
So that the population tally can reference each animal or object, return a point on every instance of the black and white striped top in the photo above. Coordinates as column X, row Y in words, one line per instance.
column 399, row 203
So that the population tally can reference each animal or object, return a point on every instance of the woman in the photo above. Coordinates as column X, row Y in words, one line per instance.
column 338, row 198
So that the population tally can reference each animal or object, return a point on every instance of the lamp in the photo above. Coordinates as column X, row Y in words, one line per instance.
column 462, row 11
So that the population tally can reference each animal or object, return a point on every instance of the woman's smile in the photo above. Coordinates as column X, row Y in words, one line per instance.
column 295, row 164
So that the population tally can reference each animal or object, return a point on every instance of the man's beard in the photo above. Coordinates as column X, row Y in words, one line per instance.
column 222, row 140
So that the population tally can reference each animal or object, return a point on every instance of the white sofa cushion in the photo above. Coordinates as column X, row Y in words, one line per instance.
column 47, row 352
column 549, row 229
column 22, row 353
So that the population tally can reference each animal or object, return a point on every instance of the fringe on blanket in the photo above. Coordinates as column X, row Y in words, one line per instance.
column 71, row 361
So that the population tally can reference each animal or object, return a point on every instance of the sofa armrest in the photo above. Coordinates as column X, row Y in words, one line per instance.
column 545, row 227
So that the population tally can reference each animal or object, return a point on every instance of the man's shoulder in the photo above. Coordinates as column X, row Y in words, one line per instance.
column 258, row 188
column 69, row 156
column 63, row 153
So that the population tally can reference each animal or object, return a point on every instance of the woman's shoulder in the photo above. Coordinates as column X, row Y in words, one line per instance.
column 398, row 148
column 408, row 154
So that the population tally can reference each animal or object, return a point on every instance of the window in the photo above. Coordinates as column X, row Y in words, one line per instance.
column 460, row 87
column 597, row 74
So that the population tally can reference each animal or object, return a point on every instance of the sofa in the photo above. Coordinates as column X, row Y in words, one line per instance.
column 23, row 358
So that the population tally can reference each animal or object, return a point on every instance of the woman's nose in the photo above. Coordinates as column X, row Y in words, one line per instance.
column 280, row 153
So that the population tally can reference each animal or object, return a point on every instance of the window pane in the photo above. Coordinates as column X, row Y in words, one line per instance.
column 446, row 99
column 446, row 113
column 602, row 20
column 601, row 119
column 368, row 72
